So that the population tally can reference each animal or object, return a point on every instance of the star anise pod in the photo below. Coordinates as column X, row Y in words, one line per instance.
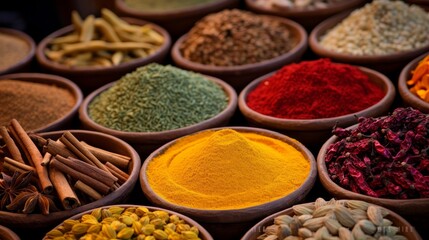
column 30, row 199
column 10, row 187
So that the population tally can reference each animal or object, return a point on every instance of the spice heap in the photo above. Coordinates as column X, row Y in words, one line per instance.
column 419, row 83
column 341, row 219
column 385, row 157
column 126, row 223
column 164, row 5
column 226, row 169
column 103, row 42
column 157, row 98
column 66, row 169
column 236, row 37
column 379, row 28
column 34, row 104
column 313, row 89
column 12, row 50
column 296, row 4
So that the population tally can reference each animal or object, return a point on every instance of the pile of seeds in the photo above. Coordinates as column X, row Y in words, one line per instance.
column 163, row 5
column 381, row 27
column 12, row 50
column 236, row 37
column 125, row 223
column 307, row 4
column 342, row 219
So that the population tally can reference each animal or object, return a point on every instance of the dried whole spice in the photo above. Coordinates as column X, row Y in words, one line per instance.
column 419, row 82
column 10, row 187
column 385, row 157
column 237, row 37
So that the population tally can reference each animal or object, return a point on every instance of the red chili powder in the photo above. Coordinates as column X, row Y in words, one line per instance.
column 314, row 89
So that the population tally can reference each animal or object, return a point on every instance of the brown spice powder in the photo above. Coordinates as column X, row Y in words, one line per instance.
column 34, row 105
column 12, row 50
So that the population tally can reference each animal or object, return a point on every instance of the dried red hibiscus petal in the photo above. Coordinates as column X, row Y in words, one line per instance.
column 383, row 157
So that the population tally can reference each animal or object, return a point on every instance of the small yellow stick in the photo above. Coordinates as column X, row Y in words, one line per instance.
column 87, row 31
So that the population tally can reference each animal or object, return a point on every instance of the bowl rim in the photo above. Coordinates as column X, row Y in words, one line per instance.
column 301, row 45
column 160, row 136
column 10, row 235
column 234, row 215
column 331, row 186
column 53, row 66
column 55, row 216
column 49, row 79
column 404, row 90
column 314, row 124
column 29, row 56
column 199, row 9
column 289, row 211
column 326, row 25
column 306, row 12
column 187, row 219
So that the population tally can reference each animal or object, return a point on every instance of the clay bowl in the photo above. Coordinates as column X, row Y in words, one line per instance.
column 307, row 17
column 7, row 234
column 412, row 209
column 178, row 21
column 409, row 98
column 230, row 224
column 422, row 3
column 90, row 78
column 240, row 76
column 204, row 235
column 146, row 142
column 65, row 121
column 104, row 141
column 389, row 63
column 25, row 63
column 314, row 132
column 406, row 229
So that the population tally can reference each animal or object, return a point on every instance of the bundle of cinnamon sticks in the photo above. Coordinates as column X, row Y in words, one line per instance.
column 64, row 166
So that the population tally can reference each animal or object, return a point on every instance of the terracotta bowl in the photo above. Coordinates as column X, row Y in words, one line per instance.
column 409, row 208
column 104, row 141
column 204, row 235
column 176, row 22
column 225, row 222
column 65, row 121
column 7, row 234
column 384, row 63
column 406, row 229
column 240, row 76
column 24, row 64
column 314, row 132
column 308, row 18
column 90, row 78
column 409, row 98
column 146, row 142
column 422, row 3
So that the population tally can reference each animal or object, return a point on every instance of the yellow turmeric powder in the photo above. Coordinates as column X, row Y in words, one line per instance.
column 227, row 169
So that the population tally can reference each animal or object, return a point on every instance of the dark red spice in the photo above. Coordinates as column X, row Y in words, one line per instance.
column 314, row 89
column 386, row 157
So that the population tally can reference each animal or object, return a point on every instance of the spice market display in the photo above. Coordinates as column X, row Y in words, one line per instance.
column 229, row 179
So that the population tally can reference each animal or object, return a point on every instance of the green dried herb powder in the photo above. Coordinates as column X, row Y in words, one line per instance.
column 163, row 5
column 157, row 98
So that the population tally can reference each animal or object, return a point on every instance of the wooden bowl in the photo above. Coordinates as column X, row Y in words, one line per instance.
column 104, row 141
column 409, row 208
column 90, row 78
column 65, row 121
column 240, row 76
column 406, row 229
column 409, row 98
column 383, row 63
column 7, row 234
column 314, row 132
column 225, row 221
column 176, row 22
column 307, row 17
column 24, row 64
column 204, row 235
column 146, row 142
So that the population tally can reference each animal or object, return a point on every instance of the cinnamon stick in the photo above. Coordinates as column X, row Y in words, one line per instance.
column 46, row 159
column 10, row 144
column 35, row 156
column 93, row 183
column 57, row 148
column 87, row 190
column 19, row 143
column 67, row 196
column 22, row 166
column 122, row 176
column 106, row 156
